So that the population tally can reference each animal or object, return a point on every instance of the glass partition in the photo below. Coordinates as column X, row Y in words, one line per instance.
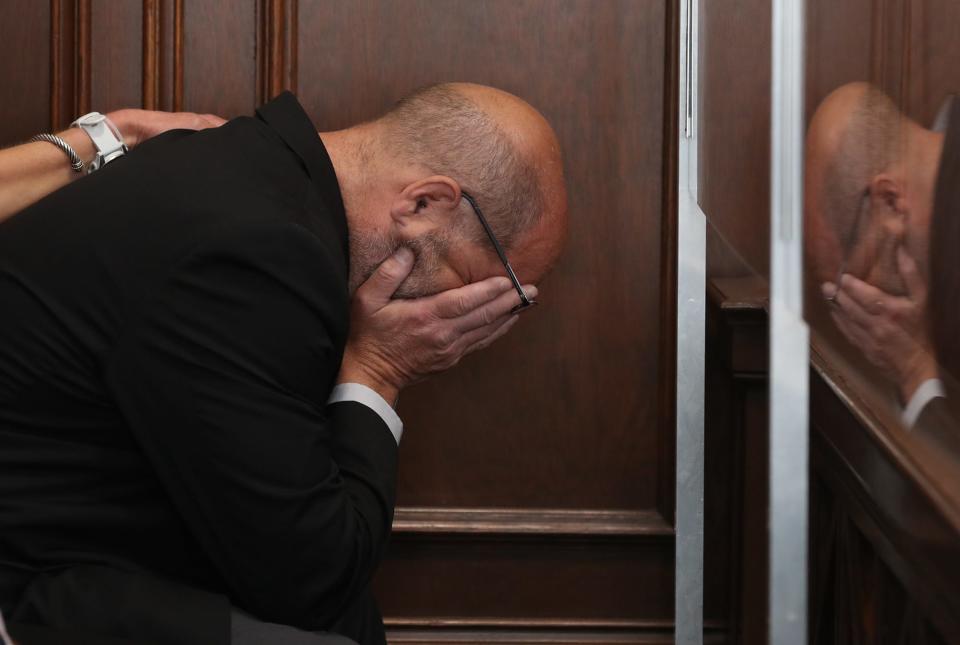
column 882, row 224
column 865, row 266
column 750, row 189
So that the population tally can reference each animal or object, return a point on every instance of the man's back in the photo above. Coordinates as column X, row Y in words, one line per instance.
column 73, row 269
column 172, row 328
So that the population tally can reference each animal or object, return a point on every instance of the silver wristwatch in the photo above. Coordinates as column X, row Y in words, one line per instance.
column 106, row 139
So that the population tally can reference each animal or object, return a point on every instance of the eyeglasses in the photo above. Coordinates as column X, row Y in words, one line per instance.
column 525, row 302
column 851, row 240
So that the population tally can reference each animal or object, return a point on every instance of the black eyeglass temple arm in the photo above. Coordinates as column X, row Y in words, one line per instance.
column 497, row 247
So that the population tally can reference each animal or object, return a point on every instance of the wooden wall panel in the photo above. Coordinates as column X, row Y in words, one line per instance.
column 116, row 49
column 933, row 52
column 220, row 57
column 735, row 128
column 537, row 582
column 839, row 36
column 25, row 32
column 883, row 554
column 569, row 398
column 536, row 486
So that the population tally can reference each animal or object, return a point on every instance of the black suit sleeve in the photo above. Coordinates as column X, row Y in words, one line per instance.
column 223, row 377
column 938, row 425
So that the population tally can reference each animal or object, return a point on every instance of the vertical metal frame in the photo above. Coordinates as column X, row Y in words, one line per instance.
column 691, row 347
column 789, row 336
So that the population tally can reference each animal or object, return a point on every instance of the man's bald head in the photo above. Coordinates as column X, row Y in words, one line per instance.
column 460, row 137
column 855, row 136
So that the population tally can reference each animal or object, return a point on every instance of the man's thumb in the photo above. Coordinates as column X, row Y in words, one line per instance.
column 385, row 280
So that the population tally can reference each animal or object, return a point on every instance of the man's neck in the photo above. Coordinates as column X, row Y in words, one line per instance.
column 346, row 150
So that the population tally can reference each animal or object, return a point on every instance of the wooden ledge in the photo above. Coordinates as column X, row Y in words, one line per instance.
column 531, row 522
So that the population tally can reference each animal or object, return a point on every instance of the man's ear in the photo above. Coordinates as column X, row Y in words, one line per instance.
column 429, row 201
column 887, row 195
column 889, row 203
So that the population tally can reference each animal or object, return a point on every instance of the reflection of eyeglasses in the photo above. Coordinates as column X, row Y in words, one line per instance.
column 525, row 302
column 851, row 240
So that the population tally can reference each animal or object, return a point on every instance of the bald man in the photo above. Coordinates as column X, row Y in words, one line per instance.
column 875, row 183
column 195, row 445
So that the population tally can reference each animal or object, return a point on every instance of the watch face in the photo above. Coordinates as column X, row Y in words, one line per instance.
column 91, row 119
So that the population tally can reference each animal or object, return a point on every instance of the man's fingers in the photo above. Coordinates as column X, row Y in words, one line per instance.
column 486, row 336
column 493, row 310
column 852, row 309
column 916, row 288
column 214, row 120
column 458, row 302
column 829, row 291
column 866, row 295
column 853, row 332
column 387, row 277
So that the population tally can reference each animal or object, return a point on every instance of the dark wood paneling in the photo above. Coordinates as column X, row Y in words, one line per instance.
column 933, row 51
column 220, row 57
column 569, row 399
column 536, row 492
column 666, row 501
column 486, row 522
column 839, row 37
column 885, row 541
column 735, row 126
column 25, row 32
column 277, row 45
column 736, row 370
column 893, row 496
column 495, row 565
column 66, row 51
column 858, row 599
column 558, row 634
column 540, row 580
column 116, row 49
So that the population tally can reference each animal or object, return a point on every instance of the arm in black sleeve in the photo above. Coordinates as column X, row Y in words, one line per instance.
column 938, row 425
column 223, row 377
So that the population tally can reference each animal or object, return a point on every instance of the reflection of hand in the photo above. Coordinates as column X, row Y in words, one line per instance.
column 137, row 126
column 890, row 330
column 394, row 343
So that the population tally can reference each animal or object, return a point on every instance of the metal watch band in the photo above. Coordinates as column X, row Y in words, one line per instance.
column 75, row 161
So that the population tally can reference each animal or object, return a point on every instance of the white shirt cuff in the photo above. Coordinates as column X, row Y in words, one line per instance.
column 365, row 396
column 928, row 390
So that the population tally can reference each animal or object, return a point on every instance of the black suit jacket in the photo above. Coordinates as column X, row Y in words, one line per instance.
column 172, row 327
column 937, row 424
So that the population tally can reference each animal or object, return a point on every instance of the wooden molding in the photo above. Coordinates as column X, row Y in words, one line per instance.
column 151, row 55
column 529, row 623
column 479, row 631
column 178, row 55
column 523, row 638
column 84, row 55
column 520, row 637
column 494, row 522
column 60, row 66
column 69, row 61
column 162, row 82
column 276, row 48
column 667, row 379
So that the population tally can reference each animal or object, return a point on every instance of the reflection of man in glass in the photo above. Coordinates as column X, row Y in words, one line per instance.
column 877, row 193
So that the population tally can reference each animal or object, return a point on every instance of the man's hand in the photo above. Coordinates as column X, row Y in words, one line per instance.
column 394, row 343
column 137, row 126
column 890, row 330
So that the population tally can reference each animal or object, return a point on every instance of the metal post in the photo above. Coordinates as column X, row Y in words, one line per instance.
column 691, row 320
column 789, row 336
